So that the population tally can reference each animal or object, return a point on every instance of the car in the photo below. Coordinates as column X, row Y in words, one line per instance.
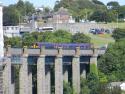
column 92, row 30
column 108, row 31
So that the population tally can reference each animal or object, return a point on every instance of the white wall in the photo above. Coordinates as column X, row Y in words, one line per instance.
column 11, row 31
column 1, row 33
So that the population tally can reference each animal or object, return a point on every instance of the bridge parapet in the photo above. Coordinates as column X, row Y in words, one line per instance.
column 54, row 52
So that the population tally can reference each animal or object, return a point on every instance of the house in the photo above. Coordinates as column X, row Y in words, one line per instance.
column 11, row 31
column 61, row 16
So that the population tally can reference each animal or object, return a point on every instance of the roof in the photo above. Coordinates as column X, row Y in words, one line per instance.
column 62, row 11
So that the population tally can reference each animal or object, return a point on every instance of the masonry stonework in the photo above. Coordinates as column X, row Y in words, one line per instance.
column 62, row 72
column 23, row 74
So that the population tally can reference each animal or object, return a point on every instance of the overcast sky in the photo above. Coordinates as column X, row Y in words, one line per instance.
column 50, row 3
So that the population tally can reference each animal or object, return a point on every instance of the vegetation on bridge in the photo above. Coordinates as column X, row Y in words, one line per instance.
column 59, row 36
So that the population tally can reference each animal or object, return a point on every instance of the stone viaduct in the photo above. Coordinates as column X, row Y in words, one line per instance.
column 68, row 63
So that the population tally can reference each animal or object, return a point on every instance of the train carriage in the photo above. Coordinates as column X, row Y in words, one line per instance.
column 48, row 45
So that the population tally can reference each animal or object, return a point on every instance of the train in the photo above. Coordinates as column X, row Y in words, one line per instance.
column 48, row 45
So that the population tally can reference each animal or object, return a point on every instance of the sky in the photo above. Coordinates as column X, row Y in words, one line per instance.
column 50, row 3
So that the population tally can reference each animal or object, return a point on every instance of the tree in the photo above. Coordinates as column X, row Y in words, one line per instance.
column 80, row 38
column 10, row 16
column 27, row 39
column 113, row 5
column 62, row 36
column 14, row 41
column 82, row 7
column 29, row 8
column 67, row 88
column 103, row 16
column 118, row 34
column 21, row 7
column 48, row 37
column 112, row 63
column 84, row 87
column 122, row 12
column 93, row 83
column 97, row 2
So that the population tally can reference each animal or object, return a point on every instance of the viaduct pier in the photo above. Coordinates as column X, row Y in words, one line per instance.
column 69, row 65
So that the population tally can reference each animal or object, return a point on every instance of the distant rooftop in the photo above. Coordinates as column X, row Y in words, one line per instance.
column 62, row 11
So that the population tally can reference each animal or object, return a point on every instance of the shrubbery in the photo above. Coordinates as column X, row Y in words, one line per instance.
column 59, row 36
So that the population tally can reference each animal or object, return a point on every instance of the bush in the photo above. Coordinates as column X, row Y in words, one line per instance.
column 118, row 34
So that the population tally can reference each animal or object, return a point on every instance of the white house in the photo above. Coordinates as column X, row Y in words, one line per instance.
column 11, row 31
column 122, row 86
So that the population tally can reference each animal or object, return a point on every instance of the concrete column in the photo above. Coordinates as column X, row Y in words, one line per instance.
column 41, row 73
column 30, row 80
column 76, row 71
column 23, row 75
column 59, row 73
column 48, row 80
column 93, row 62
column 93, row 59
column 65, row 73
column 13, row 79
column 7, row 76
column 7, row 73
column 1, row 80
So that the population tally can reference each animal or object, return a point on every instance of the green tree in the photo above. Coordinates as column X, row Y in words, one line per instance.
column 27, row 39
column 122, row 12
column 112, row 63
column 14, row 41
column 93, row 83
column 84, row 87
column 80, row 38
column 113, row 5
column 21, row 7
column 13, row 14
column 81, row 7
column 97, row 2
column 118, row 34
column 62, row 36
column 48, row 37
column 10, row 16
column 29, row 8
column 103, row 16
column 67, row 88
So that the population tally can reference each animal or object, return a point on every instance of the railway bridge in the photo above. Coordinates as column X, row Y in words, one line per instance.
column 69, row 65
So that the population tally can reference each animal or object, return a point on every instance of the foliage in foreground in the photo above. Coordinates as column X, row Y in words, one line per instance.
column 118, row 34
column 112, row 63
column 59, row 36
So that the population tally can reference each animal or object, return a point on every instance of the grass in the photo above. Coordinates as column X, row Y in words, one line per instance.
column 117, row 25
column 103, row 39
column 100, row 40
